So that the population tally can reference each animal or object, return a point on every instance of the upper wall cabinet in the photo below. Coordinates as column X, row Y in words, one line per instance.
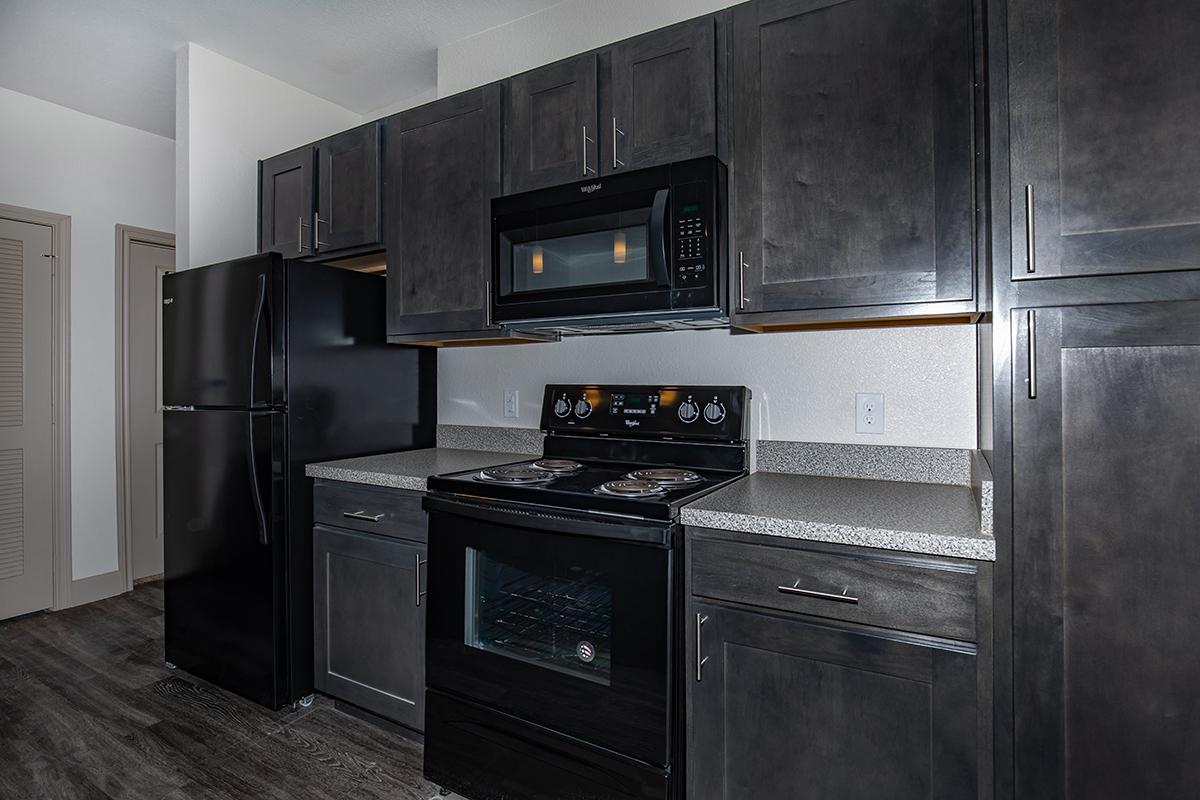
column 645, row 101
column 551, row 130
column 664, row 93
column 1105, row 160
column 854, row 175
column 348, row 190
column 442, row 169
column 322, row 199
column 285, row 201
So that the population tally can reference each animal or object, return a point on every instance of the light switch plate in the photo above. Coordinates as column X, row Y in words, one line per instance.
column 512, row 403
column 868, row 413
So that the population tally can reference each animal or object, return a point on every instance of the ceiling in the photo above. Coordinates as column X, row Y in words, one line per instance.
column 116, row 58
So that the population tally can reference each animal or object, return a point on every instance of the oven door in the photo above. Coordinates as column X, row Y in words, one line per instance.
column 567, row 631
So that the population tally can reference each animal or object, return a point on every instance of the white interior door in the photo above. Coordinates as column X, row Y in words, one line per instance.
column 144, row 271
column 26, row 329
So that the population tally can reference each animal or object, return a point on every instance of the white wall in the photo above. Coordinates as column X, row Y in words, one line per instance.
column 557, row 32
column 227, row 117
column 100, row 173
column 804, row 383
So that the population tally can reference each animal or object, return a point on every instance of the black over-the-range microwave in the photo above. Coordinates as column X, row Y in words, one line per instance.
column 642, row 250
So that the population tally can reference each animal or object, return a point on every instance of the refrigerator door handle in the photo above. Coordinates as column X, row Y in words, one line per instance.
column 260, row 510
column 259, row 307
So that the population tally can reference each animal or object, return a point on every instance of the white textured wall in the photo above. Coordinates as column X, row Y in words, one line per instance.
column 100, row 173
column 804, row 383
column 562, row 30
column 227, row 117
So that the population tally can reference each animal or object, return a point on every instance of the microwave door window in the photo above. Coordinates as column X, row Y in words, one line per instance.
column 559, row 619
column 606, row 252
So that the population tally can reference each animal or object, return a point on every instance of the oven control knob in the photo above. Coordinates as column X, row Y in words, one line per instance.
column 714, row 412
column 689, row 411
column 562, row 407
column 583, row 408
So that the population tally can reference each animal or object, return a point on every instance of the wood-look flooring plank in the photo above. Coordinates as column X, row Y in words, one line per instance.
column 88, row 711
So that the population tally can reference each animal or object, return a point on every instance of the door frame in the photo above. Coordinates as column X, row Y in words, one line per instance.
column 60, row 393
column 126, row 237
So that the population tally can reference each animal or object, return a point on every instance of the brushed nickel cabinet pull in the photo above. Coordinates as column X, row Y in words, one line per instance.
column 300, row 245
column 418, row 563
column 487, row 304
column 836, row 598
column 362, row 515
column 586, row 139
column 1030, row 248
column 741, row 281
column 317, row 230
column 701, row 659
column 1031, row 323
column 615, row 130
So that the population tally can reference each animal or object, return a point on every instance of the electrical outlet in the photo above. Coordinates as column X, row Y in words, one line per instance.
column 512, row 403
column 868, row 413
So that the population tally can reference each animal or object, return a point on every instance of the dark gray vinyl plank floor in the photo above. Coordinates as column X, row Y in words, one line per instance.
column 87, row 710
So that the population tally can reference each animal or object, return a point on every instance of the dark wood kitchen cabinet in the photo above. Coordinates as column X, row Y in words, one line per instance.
column 369, row 600
column 285, row 202
column 441, row 171
column 551, row 130
column 854, row 181
column 1106, row 615
column 348, row 207
column 322, row 199
column 645, row 101
column 797, row 697
column 663, row 97
column 1104, row 104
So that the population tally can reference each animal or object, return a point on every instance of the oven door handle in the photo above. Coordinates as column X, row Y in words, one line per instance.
column 632, row 530
column 658, row 238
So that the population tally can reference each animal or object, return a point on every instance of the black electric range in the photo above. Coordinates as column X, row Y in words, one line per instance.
column 554, row 637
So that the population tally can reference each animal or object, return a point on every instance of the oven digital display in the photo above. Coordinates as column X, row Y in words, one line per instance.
column 633, row 404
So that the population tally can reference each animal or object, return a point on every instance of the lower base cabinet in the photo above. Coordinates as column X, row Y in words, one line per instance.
column 370, row 623
column 787, row 708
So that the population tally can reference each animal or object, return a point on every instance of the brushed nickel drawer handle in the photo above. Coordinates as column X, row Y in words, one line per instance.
column 701, row 659
column 364, row 516
column 1030, row 240
column 836, row 598
column 419, row 562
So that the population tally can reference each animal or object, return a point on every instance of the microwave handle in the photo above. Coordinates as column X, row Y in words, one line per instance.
column 658, row 238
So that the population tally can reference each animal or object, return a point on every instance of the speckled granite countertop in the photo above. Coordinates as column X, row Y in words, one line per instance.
column 913, row 517
column 408, row 470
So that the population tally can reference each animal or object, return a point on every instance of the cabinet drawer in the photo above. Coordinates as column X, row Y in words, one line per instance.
column 873, row 590
column 388, row 512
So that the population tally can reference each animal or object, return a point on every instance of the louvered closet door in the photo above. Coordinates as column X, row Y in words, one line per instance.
column 25, row 433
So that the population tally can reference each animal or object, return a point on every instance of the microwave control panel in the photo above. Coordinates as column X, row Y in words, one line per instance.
column 692, row 233
column 686, row 412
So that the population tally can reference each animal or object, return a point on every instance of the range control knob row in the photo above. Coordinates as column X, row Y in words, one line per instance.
column 562, row 407
column 689, row 410
column 583, row 408
column 714, row 412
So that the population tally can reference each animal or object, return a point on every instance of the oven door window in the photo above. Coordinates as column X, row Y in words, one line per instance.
column 560, row 621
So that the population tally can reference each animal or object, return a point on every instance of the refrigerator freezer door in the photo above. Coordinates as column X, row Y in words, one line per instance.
column 223, row 335
column 224, row 549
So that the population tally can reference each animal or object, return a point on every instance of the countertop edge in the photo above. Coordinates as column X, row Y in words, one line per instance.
column 965, row 547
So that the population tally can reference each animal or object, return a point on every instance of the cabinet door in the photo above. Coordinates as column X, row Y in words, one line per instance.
column 788, row 708
column 664, row 98
column 442, row 171
column 370, row 623
column 348, row 190
column 551, row 129
column 1105, row 552
column 1104, row 97
column 854, row 135
column 285, row 203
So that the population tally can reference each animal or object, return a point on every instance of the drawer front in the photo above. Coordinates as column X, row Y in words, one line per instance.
column 388, row 512
column 868, row 589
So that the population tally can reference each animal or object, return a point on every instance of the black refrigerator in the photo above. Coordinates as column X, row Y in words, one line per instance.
column 268, row 365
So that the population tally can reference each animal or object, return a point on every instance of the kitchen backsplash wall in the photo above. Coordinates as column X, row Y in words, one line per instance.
column 803, row 383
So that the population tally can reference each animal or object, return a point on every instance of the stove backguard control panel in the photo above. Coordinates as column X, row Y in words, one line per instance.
column 685, row 412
